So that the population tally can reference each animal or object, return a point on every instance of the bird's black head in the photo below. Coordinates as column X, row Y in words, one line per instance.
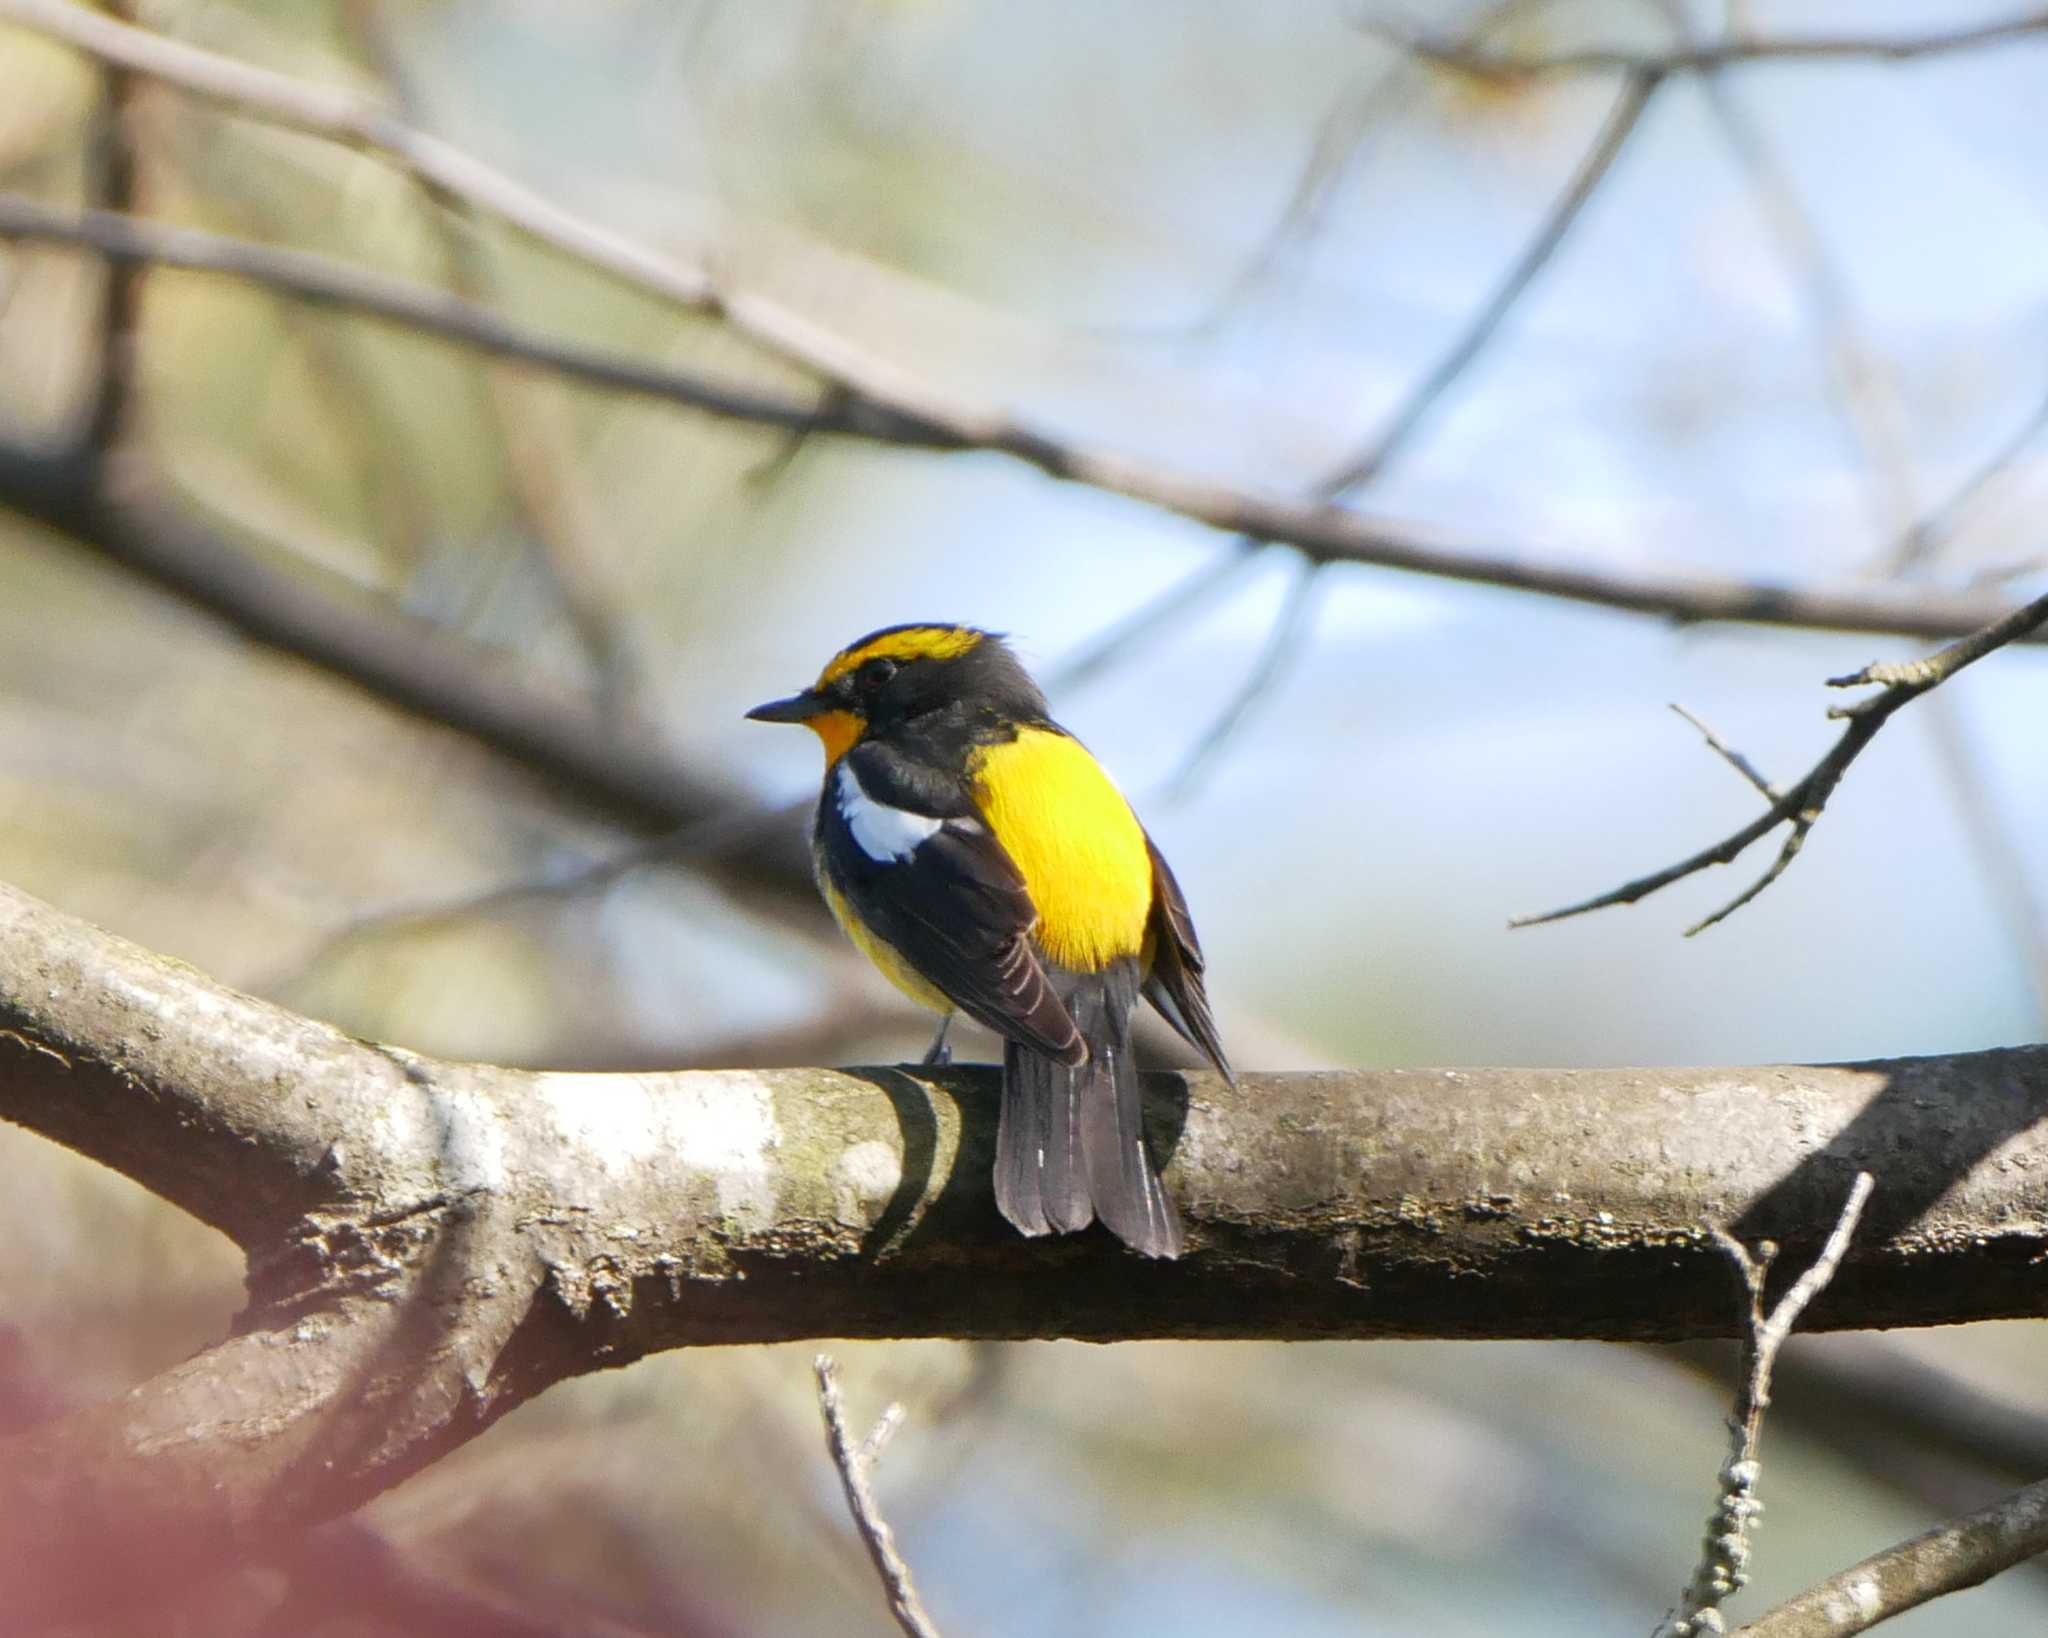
column 903, row 673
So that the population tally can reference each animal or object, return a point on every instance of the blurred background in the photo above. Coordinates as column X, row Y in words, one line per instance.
column 1796, row 331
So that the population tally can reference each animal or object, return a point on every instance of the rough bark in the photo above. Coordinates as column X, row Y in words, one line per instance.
column 431, row 1243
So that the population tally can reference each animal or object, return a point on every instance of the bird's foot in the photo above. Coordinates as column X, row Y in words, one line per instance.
column 939, row 1053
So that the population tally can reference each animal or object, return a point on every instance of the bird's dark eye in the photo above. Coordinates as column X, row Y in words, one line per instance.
column 873, row 673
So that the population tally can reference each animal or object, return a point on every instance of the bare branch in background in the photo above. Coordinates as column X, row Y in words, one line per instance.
column 1337, row 140
column 1964, row 1552
column 362, row 122
column 1710, row 54
column 1801, row 804
column 543, row 469
column 421, row 669
column 2007, row 880
column 1290, row 628
column 348, row 1566
column 1551, row 232
column 1324, row 532
column 1724, row 1560
column 1919, row 544
column 1865, row 394
column 1116, row 642
column 1283, row 648
column 881, row 398
column 856, row 1469
column 111, row 407
column 347, row 287
column 704, row 844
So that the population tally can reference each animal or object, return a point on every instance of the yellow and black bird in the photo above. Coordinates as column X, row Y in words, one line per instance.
column 976, row 853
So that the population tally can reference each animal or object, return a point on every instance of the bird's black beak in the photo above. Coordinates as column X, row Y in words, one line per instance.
column 797, row 708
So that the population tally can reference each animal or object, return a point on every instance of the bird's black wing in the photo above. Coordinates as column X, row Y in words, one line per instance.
column 1174, row 985
column 909, row 853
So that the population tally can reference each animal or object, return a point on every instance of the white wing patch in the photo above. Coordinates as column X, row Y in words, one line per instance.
column 883, row 832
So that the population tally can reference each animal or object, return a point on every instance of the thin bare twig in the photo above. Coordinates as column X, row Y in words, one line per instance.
column 1865, row 394
column 719, row 835
column 1285, row 641
column 1728, row 754
column 1337, row 139
column 1724, row 1558
column 1920, row 542
column 2004, row 867
column 1386, row 91
column 1801, row 804
column 1115, row 642
column 1962, row 1553
column 1714, row 54
column 1592, row 169
column 1283, row 646
column 854, row 1465
column 1359, row 470
column 1325, row 532
column 536, row 447
column 1945, row 1438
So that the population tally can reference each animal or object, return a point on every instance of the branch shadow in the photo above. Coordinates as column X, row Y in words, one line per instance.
column 918, row 1122
column 1932, row 1122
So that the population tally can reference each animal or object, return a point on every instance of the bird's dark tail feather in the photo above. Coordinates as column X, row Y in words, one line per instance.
column 1070, row 1143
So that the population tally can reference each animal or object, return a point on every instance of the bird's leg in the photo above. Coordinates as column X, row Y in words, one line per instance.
column 938, row 1054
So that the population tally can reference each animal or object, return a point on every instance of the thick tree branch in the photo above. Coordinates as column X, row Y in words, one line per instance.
column 432, row 1243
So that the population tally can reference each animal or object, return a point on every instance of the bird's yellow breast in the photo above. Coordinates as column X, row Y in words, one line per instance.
column 1076, row 842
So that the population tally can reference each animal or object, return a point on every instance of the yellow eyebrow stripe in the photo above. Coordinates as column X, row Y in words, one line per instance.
column 915, row 643
column 1076, row 842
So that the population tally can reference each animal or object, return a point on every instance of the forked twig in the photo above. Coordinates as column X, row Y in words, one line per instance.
column 1724, row 1555
column 1801, row 804
column 855, row 1464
